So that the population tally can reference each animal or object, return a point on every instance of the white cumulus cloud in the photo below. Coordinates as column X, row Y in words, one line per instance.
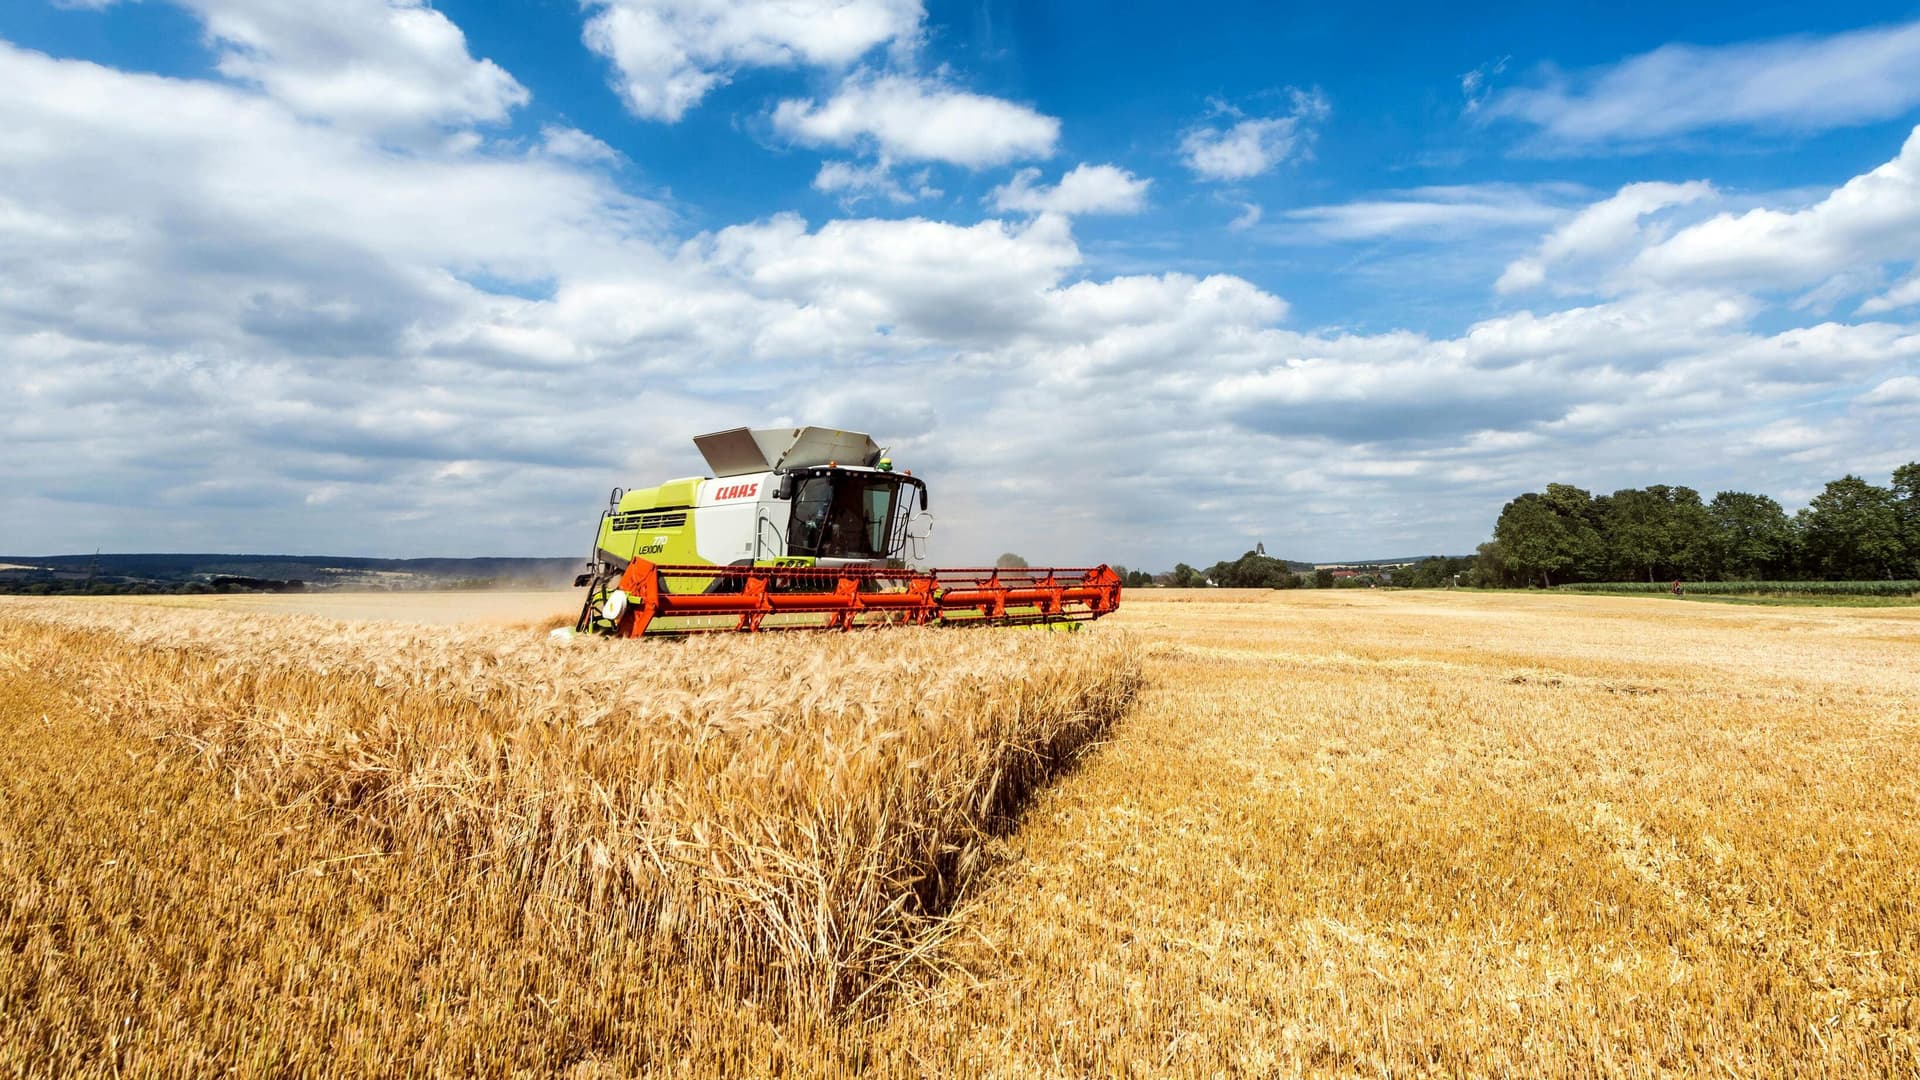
column 379, row 64
column 855, row 182
column 1873, row 218
column 1243, row 147
column 1086, row 189
column 671, row 53
column 1902, row 390
column 572, row 144
column 1905, row 294
column 1605, row 228
column 910, row 118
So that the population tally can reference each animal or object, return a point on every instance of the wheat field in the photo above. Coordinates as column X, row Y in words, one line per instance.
column 1321, row 833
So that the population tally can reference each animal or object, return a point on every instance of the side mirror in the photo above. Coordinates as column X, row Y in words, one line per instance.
column 923, row 500
column 785, row 488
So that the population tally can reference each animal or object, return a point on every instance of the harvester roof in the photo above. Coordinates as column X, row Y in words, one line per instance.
column 739, row 451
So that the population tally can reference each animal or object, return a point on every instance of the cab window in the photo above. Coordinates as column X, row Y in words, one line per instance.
column 842, row 516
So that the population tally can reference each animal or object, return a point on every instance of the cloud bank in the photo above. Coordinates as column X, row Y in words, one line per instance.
column 242, row 313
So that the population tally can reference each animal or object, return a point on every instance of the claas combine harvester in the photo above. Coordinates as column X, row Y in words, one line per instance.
column 803, row 528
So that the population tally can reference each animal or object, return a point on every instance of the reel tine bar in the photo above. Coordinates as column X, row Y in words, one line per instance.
column 749, row 599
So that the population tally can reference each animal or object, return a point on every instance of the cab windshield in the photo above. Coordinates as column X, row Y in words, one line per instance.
column 843, row 516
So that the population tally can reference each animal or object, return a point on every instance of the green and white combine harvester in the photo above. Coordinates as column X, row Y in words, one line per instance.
column 803, row 528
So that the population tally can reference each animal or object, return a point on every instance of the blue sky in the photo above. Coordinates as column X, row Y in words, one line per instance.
column 1132, row 282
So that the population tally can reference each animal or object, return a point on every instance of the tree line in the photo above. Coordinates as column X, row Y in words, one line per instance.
column 1258, row 570
column 1853, row 530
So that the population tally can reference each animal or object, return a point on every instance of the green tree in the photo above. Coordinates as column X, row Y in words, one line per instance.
column 1535, row 540
column 1010, row 561
column 1323, row 579
column 1251, row 571
column 1585, row 546
column 1752, row 537
column 1852, row 530
column 1186, row 577
column 1906, row 493
column 1438, row 572
column 1637, row 539
column 1689, row 528
column 1491, row 568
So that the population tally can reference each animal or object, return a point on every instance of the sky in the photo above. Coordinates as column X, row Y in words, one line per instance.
column 1123, row 282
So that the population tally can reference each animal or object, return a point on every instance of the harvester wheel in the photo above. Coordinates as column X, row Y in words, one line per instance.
column 592, row 620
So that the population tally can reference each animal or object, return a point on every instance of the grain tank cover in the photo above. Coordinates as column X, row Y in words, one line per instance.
column 740, row 451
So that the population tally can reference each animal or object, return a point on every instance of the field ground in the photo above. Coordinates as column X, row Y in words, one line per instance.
column 1342, row 832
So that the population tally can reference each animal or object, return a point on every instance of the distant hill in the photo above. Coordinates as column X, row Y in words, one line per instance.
column 1403, row 561
column 271, row 573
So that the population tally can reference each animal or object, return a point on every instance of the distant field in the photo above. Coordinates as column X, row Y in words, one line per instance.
column 477, row 607
column 1340, row 832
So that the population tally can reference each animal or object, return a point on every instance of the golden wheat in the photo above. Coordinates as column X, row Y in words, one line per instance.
column 791, row 812
column 1419, row 834
column 1340, row 833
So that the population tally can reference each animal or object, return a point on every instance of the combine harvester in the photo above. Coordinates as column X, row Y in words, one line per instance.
column 803, row 528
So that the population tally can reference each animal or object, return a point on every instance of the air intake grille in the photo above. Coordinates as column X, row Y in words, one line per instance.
column 631, row 520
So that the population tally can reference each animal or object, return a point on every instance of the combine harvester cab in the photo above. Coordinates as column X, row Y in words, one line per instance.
column 802, row 528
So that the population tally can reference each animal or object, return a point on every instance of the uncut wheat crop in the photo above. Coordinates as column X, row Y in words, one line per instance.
column 782, row 819
column 1343, row 833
